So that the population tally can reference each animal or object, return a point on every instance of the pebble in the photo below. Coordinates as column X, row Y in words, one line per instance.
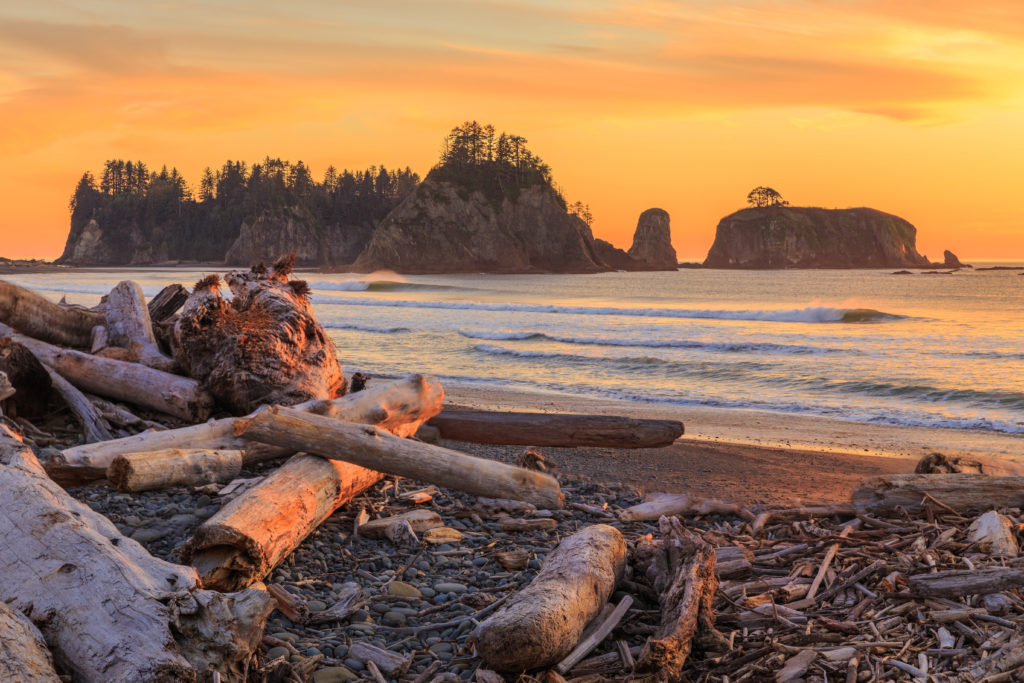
column 334, row 674
column 450, row 587
column 316, row 605
column 403, row 589
column 394, row 618
column 354, row 664
column 149, row 535
column 275, row 652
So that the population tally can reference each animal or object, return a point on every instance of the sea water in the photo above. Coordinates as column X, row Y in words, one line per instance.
column 863, row 345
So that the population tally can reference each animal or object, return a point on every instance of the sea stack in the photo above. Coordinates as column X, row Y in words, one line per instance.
column 951, row 261
column 805, row 237
column 652, row 241
column 452, row 227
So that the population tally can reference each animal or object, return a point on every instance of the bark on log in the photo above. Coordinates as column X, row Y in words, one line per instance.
column 130, row 382
column 262, row 347
column 37, row 317
column 542, row 429
column 682, row 570
column 173, row 467
column 399, row 407
column 93, row 425
column 371, row 447
column 167, row 302
column 108, row 610
column 542, row 623
column 249, row 536
column 960, row 492
column 129, row 325
column 23, row 654
column 959, row 582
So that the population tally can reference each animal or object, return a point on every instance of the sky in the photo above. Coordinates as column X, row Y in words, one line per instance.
column 915, row 108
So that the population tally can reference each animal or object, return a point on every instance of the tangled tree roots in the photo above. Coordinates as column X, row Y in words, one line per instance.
column 262, row 346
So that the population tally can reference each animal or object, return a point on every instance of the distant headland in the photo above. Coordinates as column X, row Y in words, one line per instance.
column 489, row 205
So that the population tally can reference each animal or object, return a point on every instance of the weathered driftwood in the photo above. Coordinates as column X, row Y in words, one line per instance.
column 23, row 654
column 542, row 429
column 399, row 407
column 37, row 317
column 264, row 346
column 420, row 520
column 28, row 377
column 100, row 339
column 108, row 610
column 958, row 582
column 167, row 302
column 602, row 630
column 249, row 536
column 959, row 492
column 937, row 463
column 542, row 623
column 173, row 467
column 371, row 447
column 681, row 568
column 130, row 382
column 94, row 427
column 129, row 325
column 658, row 505
column 994, row 534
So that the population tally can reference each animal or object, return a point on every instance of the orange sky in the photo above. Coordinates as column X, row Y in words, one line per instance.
column 910, row 107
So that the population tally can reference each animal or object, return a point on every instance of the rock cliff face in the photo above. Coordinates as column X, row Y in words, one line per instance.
column 443, row 227
column 92, row 245
column 652, row 241
column 273, row 233
column 802, row 237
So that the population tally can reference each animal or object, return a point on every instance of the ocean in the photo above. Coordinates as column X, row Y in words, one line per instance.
column 862, row 345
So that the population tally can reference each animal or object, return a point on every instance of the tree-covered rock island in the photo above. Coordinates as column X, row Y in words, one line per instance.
column 490, row 204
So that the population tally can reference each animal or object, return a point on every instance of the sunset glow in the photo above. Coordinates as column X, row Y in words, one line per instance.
column 912, row 108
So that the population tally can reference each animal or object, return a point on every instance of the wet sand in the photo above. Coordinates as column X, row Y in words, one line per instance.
column 746, row 456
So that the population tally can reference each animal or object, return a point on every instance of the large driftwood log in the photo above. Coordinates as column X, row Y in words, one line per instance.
column 167, row 302
column 130, row 382
column 129, row 325
column 371, row 447
column 108, row 610
column 542, row 429
column 31, row 314
column 249, row 536
column 682, row 570
column 399, row 407
column 960, row 582
column 23, row 654
column 264, row 346
column 173, row 467
column 960, row 492
column 542, row 623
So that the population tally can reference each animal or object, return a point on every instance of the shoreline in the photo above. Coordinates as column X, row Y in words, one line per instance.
column 740, row 455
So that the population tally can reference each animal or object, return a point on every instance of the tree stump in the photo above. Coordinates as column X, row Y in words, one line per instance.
column 262, row 347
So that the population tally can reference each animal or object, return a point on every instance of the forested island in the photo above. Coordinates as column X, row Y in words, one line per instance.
column 490, row 204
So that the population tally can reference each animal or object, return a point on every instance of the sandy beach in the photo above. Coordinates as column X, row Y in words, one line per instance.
column 745, row 456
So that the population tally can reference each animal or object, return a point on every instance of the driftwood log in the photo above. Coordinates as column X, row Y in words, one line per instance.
column 167, row 302
column 23, row 654
column 129, row 382
column 173, row 467
column 37, row 317
column 682, row 570
column 264, row 346
column 371, row 447
column 247, row 538
column 658, row 505
column 543, row 429
column 108, row 610
column 129, row 326
column 250, row 535
column 399, row 407
column 542, row 623
column 957, row 492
